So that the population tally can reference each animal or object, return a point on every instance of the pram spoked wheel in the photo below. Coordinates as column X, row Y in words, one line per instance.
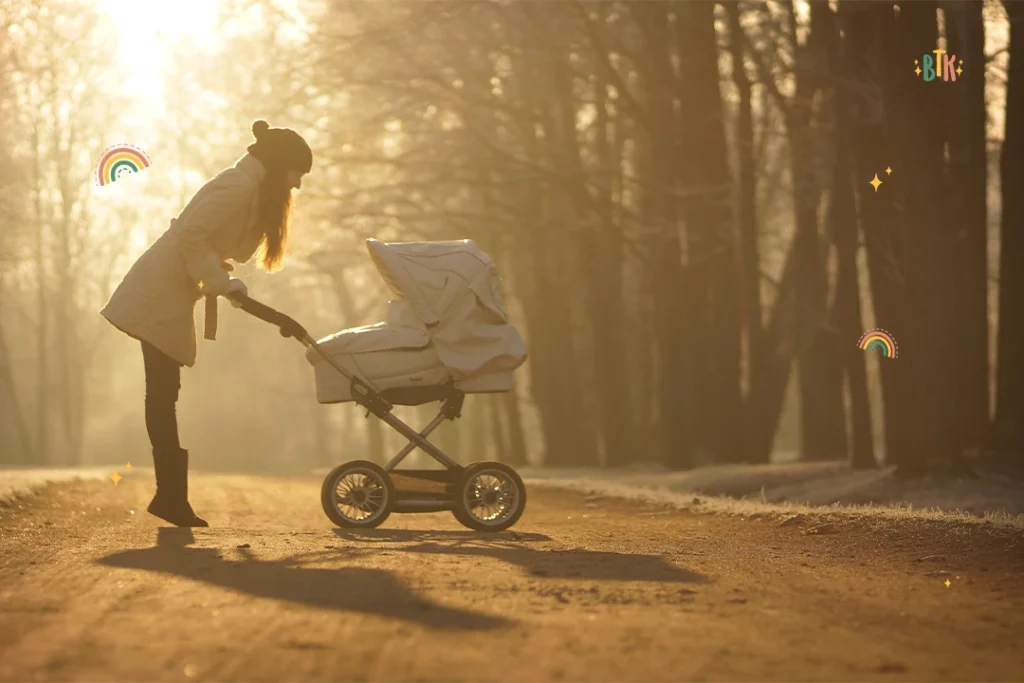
column 358, row 494
column 489, row 496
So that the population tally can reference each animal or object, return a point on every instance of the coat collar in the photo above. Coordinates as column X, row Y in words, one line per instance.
column 252, row 167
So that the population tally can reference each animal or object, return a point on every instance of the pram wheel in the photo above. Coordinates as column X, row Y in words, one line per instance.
column 489, row 496
column 358, row 494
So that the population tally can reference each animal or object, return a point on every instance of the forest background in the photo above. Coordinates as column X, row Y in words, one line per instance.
column 677, row 194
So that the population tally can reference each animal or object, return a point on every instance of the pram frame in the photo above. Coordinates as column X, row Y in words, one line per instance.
column 363, row 392
column 459, row 492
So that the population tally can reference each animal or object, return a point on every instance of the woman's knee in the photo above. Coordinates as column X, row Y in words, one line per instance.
column 163, row 376
column 162, row 390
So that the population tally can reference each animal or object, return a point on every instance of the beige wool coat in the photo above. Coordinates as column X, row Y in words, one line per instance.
column 156, row 300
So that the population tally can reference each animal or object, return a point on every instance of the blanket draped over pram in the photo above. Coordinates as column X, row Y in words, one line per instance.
column 446, row 296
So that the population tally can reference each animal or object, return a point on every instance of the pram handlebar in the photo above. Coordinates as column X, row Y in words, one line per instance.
column 363, row 392
column 288, row 327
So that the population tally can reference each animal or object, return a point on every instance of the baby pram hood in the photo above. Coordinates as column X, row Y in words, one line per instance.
column 444, row 293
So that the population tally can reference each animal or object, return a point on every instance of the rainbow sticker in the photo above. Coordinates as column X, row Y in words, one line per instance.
column 119, row 161
column 878, row 340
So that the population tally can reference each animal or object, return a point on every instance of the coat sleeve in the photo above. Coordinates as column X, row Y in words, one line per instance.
column 225, row 196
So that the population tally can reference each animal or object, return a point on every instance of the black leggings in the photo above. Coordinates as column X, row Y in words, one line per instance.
column 163, row 381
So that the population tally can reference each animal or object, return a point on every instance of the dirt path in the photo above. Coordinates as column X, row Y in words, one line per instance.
column 605, row 591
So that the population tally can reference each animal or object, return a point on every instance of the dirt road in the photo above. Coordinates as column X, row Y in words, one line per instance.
column 599, row 591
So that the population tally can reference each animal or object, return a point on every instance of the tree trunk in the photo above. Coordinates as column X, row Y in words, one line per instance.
column 930, row 347
column 497, row 429
column 678, row 334
column 1008, row 425
column 455, row 444
column 340, row 436
column 544, row 287
column 968, row 216
column 766, row 400
column 768, row 342
column 601, row 264
column 846, row 313
column 759, row 355
column 321, row 439
column 375, row 439
column 13, row 414
column 554, row 374
column 63, row 299
column 516, row 437
column 43, row 312
column 870, row 34
column 475, row 425
column 603, row 259
column 66, row 348
column 822, row 418
column 707, row 198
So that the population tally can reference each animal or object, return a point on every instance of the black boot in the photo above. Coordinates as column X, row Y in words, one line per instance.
column 171, row 500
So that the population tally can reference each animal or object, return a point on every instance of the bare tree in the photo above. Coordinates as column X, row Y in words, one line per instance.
column 1008, row 425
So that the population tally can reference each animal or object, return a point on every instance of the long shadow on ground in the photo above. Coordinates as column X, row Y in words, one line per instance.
column 507, row 547
column 353, row 589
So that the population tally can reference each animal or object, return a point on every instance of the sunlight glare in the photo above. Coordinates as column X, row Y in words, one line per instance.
column 148, row 29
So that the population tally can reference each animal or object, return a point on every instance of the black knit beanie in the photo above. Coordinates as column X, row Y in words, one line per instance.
column 280, row 148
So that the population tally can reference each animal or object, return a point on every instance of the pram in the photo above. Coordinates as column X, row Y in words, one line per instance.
column 446, row 335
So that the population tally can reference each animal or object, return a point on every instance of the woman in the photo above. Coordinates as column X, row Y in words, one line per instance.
column 245, row 208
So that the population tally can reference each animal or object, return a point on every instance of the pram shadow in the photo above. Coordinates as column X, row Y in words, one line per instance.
column 351, row 589
column 406, row 535
column 564, row 564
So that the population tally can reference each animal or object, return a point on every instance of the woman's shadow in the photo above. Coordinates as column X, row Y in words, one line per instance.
column 354, row 589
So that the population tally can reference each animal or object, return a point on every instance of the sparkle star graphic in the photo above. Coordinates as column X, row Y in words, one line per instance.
column 875, row 182
column 128, row 466
column 959, row 68
column 918, row 69
column 115, row 477
column 888, row 171
column 948, row 584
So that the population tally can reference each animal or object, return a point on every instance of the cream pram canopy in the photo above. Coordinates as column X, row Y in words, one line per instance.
column 446, row 326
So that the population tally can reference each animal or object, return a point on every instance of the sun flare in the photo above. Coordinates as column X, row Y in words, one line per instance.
column 146, row 31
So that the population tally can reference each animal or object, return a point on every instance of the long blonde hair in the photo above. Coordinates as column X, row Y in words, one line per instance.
column 280, row 150
column 274, row 219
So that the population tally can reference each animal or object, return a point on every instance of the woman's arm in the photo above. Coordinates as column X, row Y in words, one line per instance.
column 225, row 196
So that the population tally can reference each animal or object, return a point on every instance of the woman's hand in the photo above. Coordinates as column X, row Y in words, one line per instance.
column 236, row 285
